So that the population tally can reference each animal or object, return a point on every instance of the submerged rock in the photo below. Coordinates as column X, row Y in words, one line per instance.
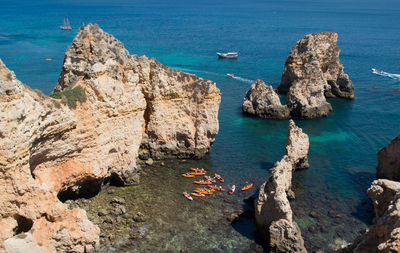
column 273, row 214
column 389, row 161
column 117, row 102
column 261, row 100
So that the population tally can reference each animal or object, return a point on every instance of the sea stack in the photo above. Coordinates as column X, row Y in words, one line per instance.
column 106, row 105
column 384, row 234
column 311, row 74
column 263, row 101
column 274, row 217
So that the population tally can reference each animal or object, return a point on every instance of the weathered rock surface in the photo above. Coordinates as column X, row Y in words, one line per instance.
column 297, row 146
column 180, row 109
column 28, row 121
column 261, row 100
column 274, row 217
column 311, row 74
column 389, row 161
column 50, row 152
column 306, row 99
column 384, row 234
column 315, row 58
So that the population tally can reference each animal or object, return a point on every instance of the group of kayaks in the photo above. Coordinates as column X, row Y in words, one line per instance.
column 208, row 181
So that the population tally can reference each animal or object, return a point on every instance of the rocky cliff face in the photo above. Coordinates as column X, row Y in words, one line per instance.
column 263, row 101
column 315, row 58
column 30, row 121
column 389, row 161
column 49, row 152
column 180, row 109
column 274, row 217
column 384, row 234
column 311, row 74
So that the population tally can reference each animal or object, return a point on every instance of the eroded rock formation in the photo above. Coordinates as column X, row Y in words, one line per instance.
column 389, row 161
column 263, row 101
column 181, row 109
column 311, row 74
column 49, row 152
column 315, row 58
column 274, row 217
column 30, row 121
column 384, row 234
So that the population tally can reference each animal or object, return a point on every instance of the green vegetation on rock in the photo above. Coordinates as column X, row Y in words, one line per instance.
column 70, row 97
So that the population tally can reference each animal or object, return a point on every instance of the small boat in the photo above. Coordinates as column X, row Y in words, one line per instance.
column 187, row 175
column 230, row 75
column 377, row 71
column 232, row 190
column 196, row 173
column 219, row 178
column 229, row 55
column 247, row 187
column 66, row 25
column 187, row 195
column 198, row 194
column 198, row 170
column 218, row 188
column 202, row 182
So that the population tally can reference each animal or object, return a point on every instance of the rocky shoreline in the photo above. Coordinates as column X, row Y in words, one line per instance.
column 106, row 106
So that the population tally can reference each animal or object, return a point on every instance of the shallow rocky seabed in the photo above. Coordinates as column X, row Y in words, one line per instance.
column 155, row 217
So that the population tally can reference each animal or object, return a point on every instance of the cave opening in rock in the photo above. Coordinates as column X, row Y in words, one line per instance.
column 86, row 188
column 24, row 224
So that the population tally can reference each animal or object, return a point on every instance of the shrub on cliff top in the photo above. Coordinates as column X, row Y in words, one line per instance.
column 70, row 97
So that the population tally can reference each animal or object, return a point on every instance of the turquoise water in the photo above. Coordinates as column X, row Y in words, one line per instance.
column 186, row 34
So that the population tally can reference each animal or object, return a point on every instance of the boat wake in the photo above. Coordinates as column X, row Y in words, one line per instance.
column 383, row 73
column 242, row 79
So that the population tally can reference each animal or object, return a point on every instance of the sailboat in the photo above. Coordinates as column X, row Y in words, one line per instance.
column 66, row 25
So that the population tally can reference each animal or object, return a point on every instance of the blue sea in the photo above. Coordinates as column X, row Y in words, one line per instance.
column 186, row 35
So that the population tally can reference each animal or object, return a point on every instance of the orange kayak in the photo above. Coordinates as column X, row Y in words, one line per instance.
column 187, row 175
column 218, row 177
column 197, row 170
column 218, row 188
column 196, row 173
column 198, row 194
column 247, row 187
column 201, row 182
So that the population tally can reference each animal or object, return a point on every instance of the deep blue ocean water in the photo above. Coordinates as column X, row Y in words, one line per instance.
column 186, row 35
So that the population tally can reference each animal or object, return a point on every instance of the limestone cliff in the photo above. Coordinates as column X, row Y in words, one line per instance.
column 389, row 161
column 50, row 152
column 311, row 74
column 384, row 234
column 30, row 121
column 180, row 109
column 274, row 217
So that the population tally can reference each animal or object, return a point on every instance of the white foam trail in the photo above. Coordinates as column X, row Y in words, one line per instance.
column 242, row 79
column 197, row 70
column 383, row 73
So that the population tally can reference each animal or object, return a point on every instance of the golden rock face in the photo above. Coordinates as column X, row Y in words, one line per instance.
column 50, row 152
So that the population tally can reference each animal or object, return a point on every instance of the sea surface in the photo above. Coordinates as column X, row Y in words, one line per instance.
column 186, row 35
